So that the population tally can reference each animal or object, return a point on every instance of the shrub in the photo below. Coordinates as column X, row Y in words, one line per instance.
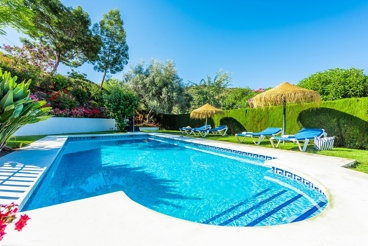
column 120, row 104
column 80, row 95
column 337, row 83
column 62, row 100
column 60, row 82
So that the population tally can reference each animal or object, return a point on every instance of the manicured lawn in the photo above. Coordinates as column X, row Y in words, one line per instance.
column 21, row 141
column 361, row 156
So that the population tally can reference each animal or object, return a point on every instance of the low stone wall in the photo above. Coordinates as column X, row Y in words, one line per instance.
column 60, row 125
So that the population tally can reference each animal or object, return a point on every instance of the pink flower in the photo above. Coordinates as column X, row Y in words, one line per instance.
column 8, row 215
column 21, row 222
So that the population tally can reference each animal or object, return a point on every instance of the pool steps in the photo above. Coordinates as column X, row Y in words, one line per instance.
column 256, row 211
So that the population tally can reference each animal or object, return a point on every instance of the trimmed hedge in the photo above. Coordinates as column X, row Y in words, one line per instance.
column 347, row 119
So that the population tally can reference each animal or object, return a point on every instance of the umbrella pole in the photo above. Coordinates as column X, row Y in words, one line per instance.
column 206, row 121
column 284, row 118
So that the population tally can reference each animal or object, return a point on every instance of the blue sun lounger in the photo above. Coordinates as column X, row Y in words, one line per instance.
column 304, row 135
column 200, row 130
column 268, row 132
column 220, row 130
column 185, row 130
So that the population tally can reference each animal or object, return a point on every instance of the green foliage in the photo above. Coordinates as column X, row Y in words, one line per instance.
column 237, row 98
column 113, row 54
column 344, row 119
column 16, row 15
column 338, row 83
column 65, row 29
column 16, row 107
column 60, row 81
column 80, row 94
column 175, row 121
column 210, row 90
column 120, row 103
column 64, row 101
column 22, row 71
column 77, row 75
column 158, row 87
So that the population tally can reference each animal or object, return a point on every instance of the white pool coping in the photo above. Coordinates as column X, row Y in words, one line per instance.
column 114, row 219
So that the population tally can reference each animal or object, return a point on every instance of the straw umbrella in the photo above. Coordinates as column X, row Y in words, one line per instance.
column 205, row 111
column 286, row 93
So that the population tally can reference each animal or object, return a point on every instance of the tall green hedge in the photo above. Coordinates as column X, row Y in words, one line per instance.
column 347, row 119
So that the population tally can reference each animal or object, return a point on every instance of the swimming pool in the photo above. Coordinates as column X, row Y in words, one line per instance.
column 184, row 180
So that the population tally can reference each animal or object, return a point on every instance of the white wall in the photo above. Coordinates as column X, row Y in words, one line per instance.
column 58, row 125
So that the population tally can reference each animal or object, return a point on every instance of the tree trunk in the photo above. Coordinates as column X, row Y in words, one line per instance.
column 56, row 65
column 103, row 79
column 149, row 116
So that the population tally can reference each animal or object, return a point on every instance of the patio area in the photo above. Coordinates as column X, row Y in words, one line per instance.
column 114, row 219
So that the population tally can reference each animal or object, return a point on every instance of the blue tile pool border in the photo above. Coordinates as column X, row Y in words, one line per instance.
column 292, row 176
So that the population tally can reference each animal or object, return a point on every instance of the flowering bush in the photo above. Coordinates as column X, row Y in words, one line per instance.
column 80, row 112
column 8, row 216
column 62, row 100
column 39, row 55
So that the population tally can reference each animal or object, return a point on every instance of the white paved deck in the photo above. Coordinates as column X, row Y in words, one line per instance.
column 114, row 219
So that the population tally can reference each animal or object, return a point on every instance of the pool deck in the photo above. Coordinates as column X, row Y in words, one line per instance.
column 114, row 219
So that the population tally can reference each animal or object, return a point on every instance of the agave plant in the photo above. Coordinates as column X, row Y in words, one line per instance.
column 16, row 107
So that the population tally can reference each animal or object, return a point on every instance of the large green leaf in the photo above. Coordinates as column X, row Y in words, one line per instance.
column 7, row 99
column 18, row 110
column 16, row 107
column 5, row 116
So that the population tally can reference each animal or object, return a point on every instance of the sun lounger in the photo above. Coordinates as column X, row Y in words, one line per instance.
column 200, row 130
column 268, row 132
column 185, row 130
column 304, row 135
column 220, row 130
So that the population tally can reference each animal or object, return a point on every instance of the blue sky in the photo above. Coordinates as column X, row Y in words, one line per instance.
column 259, row 43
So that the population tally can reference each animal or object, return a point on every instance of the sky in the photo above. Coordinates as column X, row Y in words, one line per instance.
column 260, row 44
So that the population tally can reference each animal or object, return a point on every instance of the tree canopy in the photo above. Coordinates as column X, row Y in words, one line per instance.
column 113, row 54
column 119, row 101
column 337, row 83
column 238, row 98
column 210, row 90
column 159, row 87
column 16, row 15
column 65, row 29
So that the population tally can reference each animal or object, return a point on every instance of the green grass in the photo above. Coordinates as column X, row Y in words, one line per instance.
column 21, row 141
column 361, row 156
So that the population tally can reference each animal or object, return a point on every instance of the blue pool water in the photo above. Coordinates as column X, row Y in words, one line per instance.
column 186, row 181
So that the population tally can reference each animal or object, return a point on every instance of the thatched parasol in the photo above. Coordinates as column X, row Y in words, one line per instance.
column 286, row 93
column 205, row 111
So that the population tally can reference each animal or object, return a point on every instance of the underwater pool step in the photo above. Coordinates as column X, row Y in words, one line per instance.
column 252, row 208
column 229, row 210
column 241, row 213
column 310, row 212
column 262, row 208
column 273, row 211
